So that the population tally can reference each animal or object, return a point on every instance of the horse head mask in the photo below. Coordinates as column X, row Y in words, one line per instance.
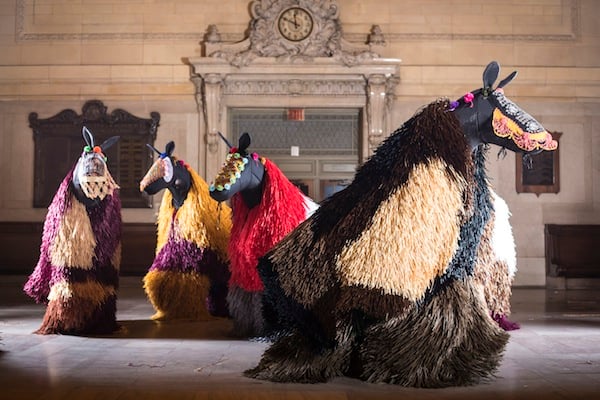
column 167, row 173
column 92, row 181
column 488, row 116
column 242, row 173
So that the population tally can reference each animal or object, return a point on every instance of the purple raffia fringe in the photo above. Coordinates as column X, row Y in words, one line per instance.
column 185, row 256
column 40, row 281
column 105, row 220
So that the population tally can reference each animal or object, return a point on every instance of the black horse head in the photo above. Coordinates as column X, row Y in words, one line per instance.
column 167, row 173
column 488, row 116
column 242, row 173
column 92, row 181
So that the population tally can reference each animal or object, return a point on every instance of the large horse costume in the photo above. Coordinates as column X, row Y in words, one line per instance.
column 386, row 281
column 266, row 206
column 188, row 278
column 77, row 274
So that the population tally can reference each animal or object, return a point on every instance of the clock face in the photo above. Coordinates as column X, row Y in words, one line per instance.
column 295, row 24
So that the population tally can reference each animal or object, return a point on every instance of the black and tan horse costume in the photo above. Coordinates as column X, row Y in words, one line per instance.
column 77, row 274
column 384, row 281
column 189, row 274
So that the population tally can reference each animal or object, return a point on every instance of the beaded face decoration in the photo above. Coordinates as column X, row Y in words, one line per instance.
column 91, row 173
column 488, row 116
column 510, row 121
column 232, row 170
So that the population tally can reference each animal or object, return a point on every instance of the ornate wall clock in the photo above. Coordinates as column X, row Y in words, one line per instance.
column 295, row 24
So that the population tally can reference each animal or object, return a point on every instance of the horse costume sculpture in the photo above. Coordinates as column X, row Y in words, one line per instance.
column 266, row 206
column 188, row 278
column 382, row 282
column 77, row 274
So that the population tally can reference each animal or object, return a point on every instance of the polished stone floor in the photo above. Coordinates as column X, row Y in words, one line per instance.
column 555, row 355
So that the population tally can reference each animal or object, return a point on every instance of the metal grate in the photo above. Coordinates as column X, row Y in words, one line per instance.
column 323, row 131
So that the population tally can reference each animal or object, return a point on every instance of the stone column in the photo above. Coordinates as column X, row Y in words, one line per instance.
column 209, row 93
column 376, row 107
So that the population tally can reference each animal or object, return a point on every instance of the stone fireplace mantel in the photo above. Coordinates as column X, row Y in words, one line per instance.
column 268, row 71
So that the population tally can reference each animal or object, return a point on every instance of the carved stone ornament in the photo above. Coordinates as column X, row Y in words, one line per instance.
column 293, row 55
column 322, row 38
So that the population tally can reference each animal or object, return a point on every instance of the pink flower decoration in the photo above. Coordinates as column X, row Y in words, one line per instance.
column 468, row 98
column 254, row 156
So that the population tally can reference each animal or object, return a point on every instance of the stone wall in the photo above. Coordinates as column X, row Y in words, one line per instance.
column 131, row 54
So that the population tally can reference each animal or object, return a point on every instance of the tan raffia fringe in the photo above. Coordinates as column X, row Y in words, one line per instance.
column 412, row 238
column 75, row 243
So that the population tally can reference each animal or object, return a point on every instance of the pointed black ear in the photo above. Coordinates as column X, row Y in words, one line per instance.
column 490, row 74
column 169, row 148
column 244, row 142
column 153, row 148
column 507, row 80
column 88, row 137
column 225, row 140
column 109, row 142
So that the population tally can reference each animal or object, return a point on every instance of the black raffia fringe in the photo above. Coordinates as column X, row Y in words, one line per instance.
column 246, row 311
column 452, row 341
column 464, row 260
column 295, row 358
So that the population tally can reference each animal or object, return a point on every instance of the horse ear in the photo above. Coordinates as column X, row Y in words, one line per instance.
column 88, row 137
column 153, row 148
column 109, row 142
column 170, row 147
column 507, row 80
column 244, row 142
column 225, row 140
column 490, row 74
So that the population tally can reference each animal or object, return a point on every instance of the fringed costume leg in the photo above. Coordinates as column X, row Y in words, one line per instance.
column 188, row 277
column 448, row 342
column 496, row 264
column 254, row 232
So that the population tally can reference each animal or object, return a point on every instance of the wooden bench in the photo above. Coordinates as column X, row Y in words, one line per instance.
column 572, row 251
column 20, row 247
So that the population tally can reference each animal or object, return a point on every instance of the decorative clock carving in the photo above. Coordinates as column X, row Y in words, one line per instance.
column 299, row 30
column 295, row 24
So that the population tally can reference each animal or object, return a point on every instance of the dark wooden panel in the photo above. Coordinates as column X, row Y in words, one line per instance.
column 20, row 247
column 573, row 251
column 139, row 244
column 58, row 143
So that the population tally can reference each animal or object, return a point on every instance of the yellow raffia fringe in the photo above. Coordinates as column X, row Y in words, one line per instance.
column 177, row 294
column 75, row 243
column 197, row 220
column 413, row 236
column 94, row 292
